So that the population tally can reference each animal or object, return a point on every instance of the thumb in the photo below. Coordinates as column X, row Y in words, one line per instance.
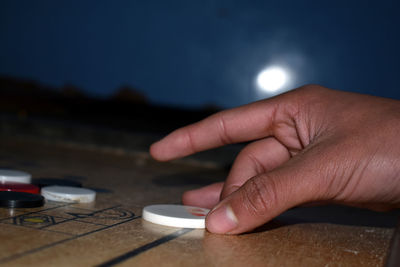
column 264, row 197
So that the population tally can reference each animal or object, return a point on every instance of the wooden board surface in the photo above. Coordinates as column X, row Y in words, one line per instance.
column 111, row 232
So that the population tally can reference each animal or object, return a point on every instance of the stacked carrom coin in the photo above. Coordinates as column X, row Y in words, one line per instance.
column 16, row 190
column 7, row 176
column 9, row 199
column 19, row 187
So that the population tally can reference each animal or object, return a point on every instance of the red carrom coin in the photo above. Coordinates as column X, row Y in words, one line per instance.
column 20, row 187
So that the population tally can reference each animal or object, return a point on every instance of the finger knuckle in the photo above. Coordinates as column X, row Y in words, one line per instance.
column 224, row 131
column 190, row 141
column 247, row 155
column 260, row 197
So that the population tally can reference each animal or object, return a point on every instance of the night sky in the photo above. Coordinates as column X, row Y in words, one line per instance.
column 201, row 53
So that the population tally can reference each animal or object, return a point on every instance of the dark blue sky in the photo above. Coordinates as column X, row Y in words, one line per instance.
column 197, row 53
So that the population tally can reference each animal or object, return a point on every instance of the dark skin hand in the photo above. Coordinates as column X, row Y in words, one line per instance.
column 309, row 145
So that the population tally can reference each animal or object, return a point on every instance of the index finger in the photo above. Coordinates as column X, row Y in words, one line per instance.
column 249, row 122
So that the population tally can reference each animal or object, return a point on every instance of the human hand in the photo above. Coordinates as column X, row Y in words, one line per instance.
column 309, row 145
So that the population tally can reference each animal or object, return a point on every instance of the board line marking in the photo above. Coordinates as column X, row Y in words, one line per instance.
column 25, row 253
column 144, row 248
column 27, row 213
column 58, row 232
column 76, row 218
column 67, row 220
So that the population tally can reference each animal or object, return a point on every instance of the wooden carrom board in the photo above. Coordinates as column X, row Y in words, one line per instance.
column 111, row 232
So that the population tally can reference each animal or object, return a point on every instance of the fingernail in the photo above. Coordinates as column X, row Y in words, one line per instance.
column 221, row 220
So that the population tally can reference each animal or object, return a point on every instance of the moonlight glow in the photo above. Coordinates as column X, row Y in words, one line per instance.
column 272, row 79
